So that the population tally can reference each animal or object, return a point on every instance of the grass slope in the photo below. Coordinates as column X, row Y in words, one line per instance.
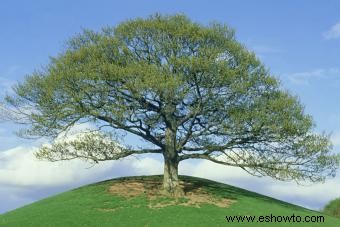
column 96, row 205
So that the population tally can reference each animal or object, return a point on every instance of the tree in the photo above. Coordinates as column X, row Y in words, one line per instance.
column 190, row 91
column 333, row 208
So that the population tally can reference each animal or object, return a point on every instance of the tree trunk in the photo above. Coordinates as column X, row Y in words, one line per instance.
column 171, row 184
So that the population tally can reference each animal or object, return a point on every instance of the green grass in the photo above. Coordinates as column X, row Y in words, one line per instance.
column 93, row 205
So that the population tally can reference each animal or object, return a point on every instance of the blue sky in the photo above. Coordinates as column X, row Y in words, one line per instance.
column 299, row 42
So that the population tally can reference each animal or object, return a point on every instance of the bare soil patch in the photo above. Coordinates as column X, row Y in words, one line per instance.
column 194, row 195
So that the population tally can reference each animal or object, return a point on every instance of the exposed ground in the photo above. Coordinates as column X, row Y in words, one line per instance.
column 151, row 188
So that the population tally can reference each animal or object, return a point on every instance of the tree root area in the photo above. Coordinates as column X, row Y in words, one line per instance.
column 194, row 195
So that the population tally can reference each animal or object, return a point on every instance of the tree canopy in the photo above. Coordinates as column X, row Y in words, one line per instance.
column 333, row 208
column 189, row 90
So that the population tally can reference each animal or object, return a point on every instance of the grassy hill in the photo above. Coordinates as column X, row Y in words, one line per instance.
column 135, row 201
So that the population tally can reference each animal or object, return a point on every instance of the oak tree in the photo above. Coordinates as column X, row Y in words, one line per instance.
column 190, row 91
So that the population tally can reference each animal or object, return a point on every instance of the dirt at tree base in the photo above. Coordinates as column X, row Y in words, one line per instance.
column 194, row 195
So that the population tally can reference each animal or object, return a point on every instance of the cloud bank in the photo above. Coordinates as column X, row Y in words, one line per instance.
column 23, row 179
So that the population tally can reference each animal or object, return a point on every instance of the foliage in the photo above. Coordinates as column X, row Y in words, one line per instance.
column 333, row 208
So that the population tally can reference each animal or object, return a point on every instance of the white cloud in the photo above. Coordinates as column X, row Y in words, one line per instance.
column 24, row 179
column 20, row 168
column 6, row 85
column 320, row 192
column 303, row 78
column 147, row 166
column 306, row 77
column 333, row 32
column 21, row 172
column 6, row 78
column 210, row 170
column 335, row 138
